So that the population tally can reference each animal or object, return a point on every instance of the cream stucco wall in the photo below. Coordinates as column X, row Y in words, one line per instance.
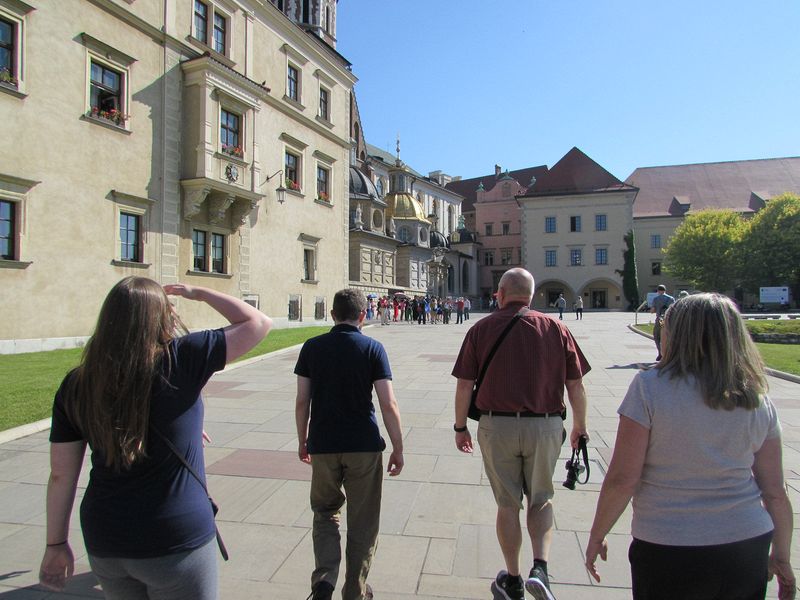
column 69, row 175
column 646, row 255
column 590, row 280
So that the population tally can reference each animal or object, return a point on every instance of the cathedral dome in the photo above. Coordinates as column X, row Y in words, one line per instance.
column 438, row 240
column 361, row 185
column 404, row 206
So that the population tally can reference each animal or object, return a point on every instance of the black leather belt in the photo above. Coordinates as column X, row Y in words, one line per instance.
column 525, row 413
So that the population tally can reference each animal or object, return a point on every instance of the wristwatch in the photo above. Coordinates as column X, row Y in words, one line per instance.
column 458, row 429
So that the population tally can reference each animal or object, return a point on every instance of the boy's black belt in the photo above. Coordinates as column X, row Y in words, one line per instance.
column 524, row 413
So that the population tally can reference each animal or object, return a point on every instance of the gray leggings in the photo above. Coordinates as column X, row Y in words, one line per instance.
column 189, row 575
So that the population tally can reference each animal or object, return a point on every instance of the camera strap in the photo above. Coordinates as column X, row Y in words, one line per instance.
column 577, row 453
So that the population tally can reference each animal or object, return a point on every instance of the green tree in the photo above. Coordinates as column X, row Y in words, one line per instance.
column 706, row 250
column 772, row 245
column 630, row 280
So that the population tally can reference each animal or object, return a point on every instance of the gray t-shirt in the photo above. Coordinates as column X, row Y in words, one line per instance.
column 697, row 486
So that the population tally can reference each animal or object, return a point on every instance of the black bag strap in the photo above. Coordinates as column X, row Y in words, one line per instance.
column 492, row 352
column 576, row 454
column 222, row 549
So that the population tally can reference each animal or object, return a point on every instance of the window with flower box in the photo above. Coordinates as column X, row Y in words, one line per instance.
column 323, row 178
column 8, row 67
column 106, row 92
column 230, row 128
column 13, row 15
column 108, row 83
column 292, row 171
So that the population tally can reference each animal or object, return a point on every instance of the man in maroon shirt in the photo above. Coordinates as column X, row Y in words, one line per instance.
column 521, row 400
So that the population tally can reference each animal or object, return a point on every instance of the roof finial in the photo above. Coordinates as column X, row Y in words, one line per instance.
column 398, row 162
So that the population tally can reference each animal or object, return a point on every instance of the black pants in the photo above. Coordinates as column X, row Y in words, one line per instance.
column 736, row 571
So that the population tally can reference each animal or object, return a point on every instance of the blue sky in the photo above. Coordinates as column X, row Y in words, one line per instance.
column 633, row 83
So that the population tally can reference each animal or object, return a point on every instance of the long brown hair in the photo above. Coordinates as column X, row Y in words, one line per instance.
column 706, row 337
column 108, row 397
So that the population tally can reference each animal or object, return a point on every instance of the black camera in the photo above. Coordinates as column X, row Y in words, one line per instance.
column 574, row 466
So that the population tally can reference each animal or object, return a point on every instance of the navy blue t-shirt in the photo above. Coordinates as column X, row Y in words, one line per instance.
column 342, row 366
column 157, row 507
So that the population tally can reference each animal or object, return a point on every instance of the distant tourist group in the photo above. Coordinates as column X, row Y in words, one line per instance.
column 420, row 309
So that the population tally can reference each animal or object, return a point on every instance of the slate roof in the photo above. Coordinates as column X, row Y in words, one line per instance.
column 389, row 159
column 576, row 173
column 468, row 187
column 742, row 185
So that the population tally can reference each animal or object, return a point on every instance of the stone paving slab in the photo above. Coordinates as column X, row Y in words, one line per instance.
column 437, row 536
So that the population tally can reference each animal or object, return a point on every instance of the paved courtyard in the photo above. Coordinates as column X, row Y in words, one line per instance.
column 437, row 528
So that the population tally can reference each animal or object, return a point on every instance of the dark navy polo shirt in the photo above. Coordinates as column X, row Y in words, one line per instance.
column 342, row 366
column 157, row 507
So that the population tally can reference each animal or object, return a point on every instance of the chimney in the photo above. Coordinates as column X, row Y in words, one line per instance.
column 497, row 170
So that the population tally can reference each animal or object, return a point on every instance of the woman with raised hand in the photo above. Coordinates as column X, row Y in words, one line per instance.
column 699, row 450
column 147, row 523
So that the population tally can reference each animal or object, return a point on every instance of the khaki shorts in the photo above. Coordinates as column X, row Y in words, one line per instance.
column 519, row 455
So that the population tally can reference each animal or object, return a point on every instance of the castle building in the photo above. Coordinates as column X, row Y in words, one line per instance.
column 200, row 141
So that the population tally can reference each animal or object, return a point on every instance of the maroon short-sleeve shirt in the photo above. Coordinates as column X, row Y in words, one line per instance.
column 531, row 366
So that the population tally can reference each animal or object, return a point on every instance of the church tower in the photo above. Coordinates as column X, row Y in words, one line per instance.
column 316, row 16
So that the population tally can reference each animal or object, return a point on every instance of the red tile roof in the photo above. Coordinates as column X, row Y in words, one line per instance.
column 468, row 187
column 741, row 185
column 576, row 173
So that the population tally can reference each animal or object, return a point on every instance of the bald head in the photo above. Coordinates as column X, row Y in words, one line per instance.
column 516, row 284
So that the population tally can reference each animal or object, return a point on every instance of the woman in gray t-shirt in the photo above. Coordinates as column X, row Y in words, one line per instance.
column 699, row 451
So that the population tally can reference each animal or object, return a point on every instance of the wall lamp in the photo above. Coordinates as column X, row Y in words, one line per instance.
column 280, row 193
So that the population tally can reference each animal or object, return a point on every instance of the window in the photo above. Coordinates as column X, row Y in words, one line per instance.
column 219, row 33
column 575, row 257
column 293, row 83
column 549, row 224
column 292, row 171
column 309, row 257
column 600, row 256
column 550, row 258
column 319, row 308
column 130, row 237
column 8, row 69
column 379, row 187
column 404, row 234
column 600, row 223
column 488, row 228
column 655, row 267
column 199, row 250
column 229, row 129
column 575, row 224
column 323, row 104
column 106, row 93
column 655, row 240
column 488, row 258
column 505, row 256
column 200, row 21
column 506, row 228
column 8, row 234
column 323, row 176
column 205, row 246
column 309, row 268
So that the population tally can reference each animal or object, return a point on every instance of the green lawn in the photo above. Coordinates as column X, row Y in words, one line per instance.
column 30, row 380
column 782, row 357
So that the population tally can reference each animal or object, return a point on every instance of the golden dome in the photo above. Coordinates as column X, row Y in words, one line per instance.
column 403, row 206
